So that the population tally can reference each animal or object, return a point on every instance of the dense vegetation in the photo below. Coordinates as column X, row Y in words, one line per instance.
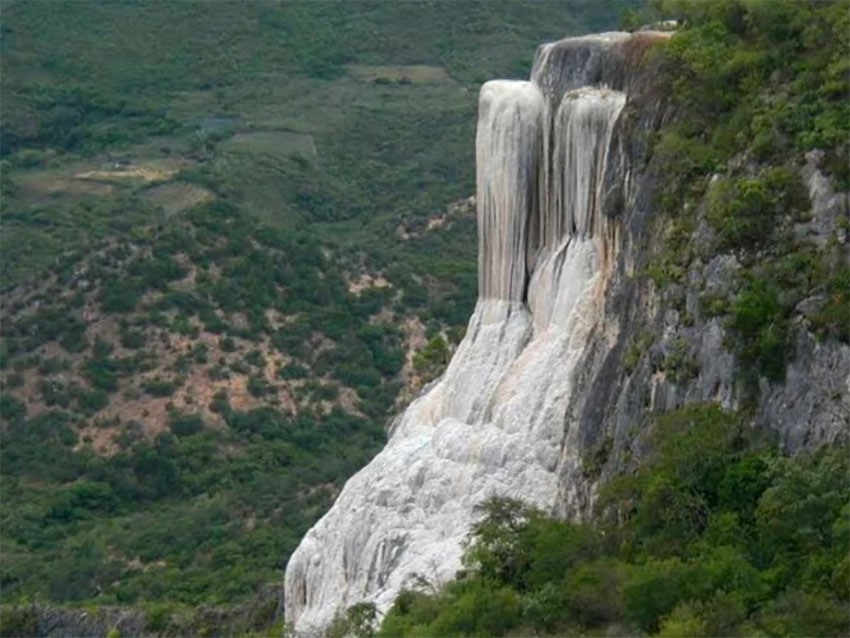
column 715, row 534
column 151, row 517
column 298, row 112
column 228, row 253
column 760, row 88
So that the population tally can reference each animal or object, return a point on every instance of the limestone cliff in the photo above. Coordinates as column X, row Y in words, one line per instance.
column 565, row 200
column 494, row 423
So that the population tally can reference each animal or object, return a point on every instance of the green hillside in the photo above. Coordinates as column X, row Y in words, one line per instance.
column 230, row 249
column 227, row 96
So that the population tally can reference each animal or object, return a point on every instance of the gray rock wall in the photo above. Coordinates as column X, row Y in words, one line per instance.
column 625, row 377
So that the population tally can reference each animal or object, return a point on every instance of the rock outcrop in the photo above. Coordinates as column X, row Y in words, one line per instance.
column 565, row 195
column 494, row 424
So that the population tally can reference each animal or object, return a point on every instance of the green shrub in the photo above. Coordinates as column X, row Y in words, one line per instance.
column 257, row 386
column 410, row 609
column 746, row 211
column 833, row 318
column 53, row 365
column 12, row 409
column 102, row 373
column 653, row 589
column 292, row 371
column 592, row 593
column 81, row 500
column 157, row 387
column 185, row 424
column 683, row 622
column 132, row 338
column 220, row 403
column 433, row 357
column 636, row 350
column 18, row 620
column 74, row 339
column 119, row 295
column 761, row 327
column 90, row 401
column 678, row 364
column 326, row 392
column 358, row 621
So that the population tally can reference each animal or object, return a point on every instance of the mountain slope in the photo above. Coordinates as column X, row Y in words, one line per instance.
column 716, row 234
column 233, row 242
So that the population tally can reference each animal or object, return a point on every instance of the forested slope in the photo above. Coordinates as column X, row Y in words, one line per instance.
column 234, row 240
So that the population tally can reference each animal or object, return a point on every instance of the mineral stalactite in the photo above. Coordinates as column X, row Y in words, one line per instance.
column 508, row 154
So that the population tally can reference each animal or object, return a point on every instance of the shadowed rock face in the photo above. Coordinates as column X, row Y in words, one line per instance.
column 574, row 63
column 494, row 424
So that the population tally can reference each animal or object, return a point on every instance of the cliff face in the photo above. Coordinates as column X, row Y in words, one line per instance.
column 560, row 362
column 660, row 347
column 494, row 424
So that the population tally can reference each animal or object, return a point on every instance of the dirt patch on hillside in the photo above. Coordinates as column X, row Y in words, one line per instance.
column 149, row 172
column 414, row 227
column 366, row 280
column 414, row 340
column 412, row 73
column 42, row 187
column 177, row 196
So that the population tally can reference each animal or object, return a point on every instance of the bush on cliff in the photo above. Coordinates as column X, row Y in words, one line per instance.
column 716, row 532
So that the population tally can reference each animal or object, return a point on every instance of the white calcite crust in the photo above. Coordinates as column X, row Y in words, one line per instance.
column 496, row 423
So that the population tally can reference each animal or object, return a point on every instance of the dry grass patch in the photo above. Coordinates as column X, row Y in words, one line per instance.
column 144, row 173
column 413, row 73
column 366, row 280
column 271, row 143
column 177, row 196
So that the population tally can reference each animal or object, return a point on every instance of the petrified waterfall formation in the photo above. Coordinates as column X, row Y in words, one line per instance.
column 497, row 422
